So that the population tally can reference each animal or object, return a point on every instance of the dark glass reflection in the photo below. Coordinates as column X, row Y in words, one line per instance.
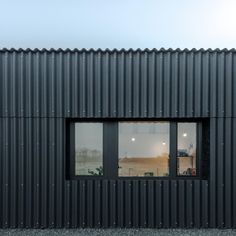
column 88, row 149
column 186, row 155
column 143, row 149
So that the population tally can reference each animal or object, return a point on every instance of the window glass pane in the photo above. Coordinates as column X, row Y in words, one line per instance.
column 186, row 160
column 143, row 149
column 88, row 149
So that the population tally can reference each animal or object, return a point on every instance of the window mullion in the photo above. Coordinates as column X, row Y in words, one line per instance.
column 110, row 149
column 173, row 149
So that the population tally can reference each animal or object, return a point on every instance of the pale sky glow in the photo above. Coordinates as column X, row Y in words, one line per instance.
column 118, row 24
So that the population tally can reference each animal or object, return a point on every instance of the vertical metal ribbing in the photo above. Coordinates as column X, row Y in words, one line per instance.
column 97, row 204
column 28, row 85
column 159, row 203
column 128, row 206
column 228, row 172
column 51, row 86
column 143, row 85
column 67, row 84
column 151, row 83
column 174, row 204
column 136, row 67
column 189, row 204
column 233, row 85
column 128, row 85
column 159, row 84
column 13, row 104
column 105, row 204
column 229, row 84
column 60, row 174
column 97, row 85
column 213, row 172
column 36, row 174
column 120, row 204
column 136, row 199
column 181, row 204
column 113, row 203
column 197, row 204
column 82, row 204
column 51, row 160
column 113, row 85
column 44, row 81
column 234, row 172
column 197, row 84
column 205, row 203
column 175, row 85
column 74, row 206
column 220, row 172
column 5, row 174
column 167, row 84
column 44, row 150
column 213, row 85
column 13, row 172
column 1, row 170
column 121, row 85
column 29, row 173
column 82, row 85
column 90, row 85
column 40, row 83
column 221, row 84
column 34, row 192
column 59, row 85
column 90, row 205
column 205, row 86
column 75, row 84
column 21, row 174
column 5, row 84
column 143, row 203
column 36, row 85
column 1, row 86
column 105, row 85
column 166, row 204
column 151, row 203
column 182, row 88
column 190, row 84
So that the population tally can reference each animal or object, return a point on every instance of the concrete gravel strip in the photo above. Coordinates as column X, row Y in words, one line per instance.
column 117, row 232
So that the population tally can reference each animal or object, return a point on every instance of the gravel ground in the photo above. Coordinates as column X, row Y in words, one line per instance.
column 117, row 232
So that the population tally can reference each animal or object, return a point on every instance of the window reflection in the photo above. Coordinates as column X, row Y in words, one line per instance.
column 88, row 149
column 186, row 155
column 143, row 149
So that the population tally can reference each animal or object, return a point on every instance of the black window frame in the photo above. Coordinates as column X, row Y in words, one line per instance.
column 110, row 149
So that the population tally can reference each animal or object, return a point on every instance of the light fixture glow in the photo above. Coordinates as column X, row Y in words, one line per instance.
column 132, row 139
column 185, row 135
column 163, row 143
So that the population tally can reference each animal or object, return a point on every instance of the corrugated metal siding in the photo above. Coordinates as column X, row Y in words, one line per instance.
column 117, row 84
column 34, row 192
column 39, row 89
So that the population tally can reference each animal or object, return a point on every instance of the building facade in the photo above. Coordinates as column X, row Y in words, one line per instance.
column 117, row 138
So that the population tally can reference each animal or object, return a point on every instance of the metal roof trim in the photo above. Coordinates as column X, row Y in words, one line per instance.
column 107, row 50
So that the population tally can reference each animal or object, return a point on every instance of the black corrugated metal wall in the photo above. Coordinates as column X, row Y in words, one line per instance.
column 40, row 89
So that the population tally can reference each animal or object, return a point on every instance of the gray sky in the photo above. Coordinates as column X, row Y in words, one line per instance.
column 118, row 23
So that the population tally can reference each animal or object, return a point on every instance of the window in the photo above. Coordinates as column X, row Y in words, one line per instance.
column 186, row 155
column 88, row 149
column 137, row 149
column 144, row 149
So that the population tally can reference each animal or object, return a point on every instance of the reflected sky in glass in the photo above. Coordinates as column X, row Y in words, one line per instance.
column 143, row 139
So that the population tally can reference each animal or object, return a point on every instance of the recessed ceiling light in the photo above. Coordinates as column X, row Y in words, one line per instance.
column 132, row 139
column 163, row 143
column 185, row 135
